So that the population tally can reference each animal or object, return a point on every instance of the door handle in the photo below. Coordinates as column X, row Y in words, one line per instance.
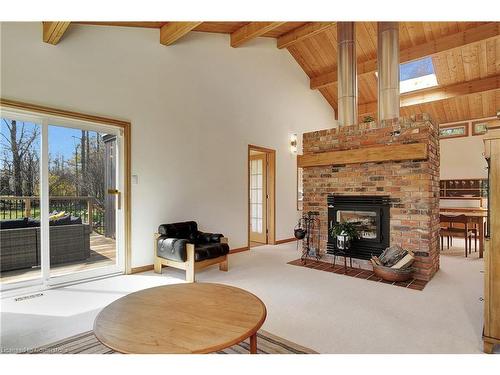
column 118, row 196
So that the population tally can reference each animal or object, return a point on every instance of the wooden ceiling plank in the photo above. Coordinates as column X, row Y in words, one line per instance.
column 439, row 93
column 53, row 31
column 250, row 31
column 143, row 24
column 451, row 91
column 173, row 31
column 493, row 56
column 447, row 43
column 308, row 30
column 219, row 27
column 363, row 46
column 301, row 60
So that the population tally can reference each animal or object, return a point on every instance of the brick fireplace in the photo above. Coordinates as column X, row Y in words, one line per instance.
column 411, row 185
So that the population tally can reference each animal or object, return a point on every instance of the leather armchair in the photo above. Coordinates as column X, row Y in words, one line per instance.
column 182, row 245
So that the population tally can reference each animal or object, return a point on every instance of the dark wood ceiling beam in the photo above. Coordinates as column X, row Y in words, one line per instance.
column 173, row 31
column 306, row 31
column 252, row 30
column 434, row 47
column 54, row 31
column 438, row 93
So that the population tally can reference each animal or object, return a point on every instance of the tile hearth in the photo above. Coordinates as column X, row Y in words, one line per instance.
column 358, row 273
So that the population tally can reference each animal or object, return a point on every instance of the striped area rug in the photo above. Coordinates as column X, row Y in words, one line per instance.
column 87, row 343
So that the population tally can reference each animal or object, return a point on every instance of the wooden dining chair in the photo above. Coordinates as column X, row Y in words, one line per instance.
column 448, row 230
column 472, row 227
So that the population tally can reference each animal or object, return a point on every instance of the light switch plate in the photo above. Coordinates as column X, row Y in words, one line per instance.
column 135, row 179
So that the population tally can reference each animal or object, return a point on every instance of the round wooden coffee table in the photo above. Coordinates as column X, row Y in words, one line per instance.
column 181, row 318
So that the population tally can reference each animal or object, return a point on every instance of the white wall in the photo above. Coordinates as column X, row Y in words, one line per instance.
column 462, row 158
column 194, row 108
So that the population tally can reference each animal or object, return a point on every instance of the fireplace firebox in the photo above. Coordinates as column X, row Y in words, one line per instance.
column 371, row 217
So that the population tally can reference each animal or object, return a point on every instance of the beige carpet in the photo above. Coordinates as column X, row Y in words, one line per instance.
column 87, row 343
column 324, row 311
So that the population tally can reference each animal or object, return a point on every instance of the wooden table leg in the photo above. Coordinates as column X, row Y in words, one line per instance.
column 253, row 344
column 481, row 237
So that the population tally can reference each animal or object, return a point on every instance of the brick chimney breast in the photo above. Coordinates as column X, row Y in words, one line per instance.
column 412, row 185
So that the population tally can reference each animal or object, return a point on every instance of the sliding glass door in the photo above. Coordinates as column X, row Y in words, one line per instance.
column 67, row 206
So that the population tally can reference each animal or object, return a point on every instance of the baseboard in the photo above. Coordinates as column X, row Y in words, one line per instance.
column 147, row 267
column 238, row 250
column 279, row 242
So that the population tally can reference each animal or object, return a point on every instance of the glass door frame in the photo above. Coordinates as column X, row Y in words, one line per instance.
column 44, row 116
column 271, row 191
column 37, row 282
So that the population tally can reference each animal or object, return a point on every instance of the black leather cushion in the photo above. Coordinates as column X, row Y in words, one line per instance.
column 210, row 250
column 203, row 238
column 172, row 248
column 186, row 230
column 14, row 224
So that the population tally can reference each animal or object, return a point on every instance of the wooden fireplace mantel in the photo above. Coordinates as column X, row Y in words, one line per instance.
column 395, row 152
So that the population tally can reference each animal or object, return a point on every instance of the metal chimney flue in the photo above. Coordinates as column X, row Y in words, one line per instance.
column 347, row 74
column 388, row 70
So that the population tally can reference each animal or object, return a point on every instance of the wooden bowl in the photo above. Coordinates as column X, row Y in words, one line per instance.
column 392, row 274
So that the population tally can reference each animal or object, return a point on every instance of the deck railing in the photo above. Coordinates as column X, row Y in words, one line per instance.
column 88, row 208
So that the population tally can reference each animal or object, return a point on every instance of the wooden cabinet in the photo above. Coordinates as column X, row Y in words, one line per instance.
column 491, row 332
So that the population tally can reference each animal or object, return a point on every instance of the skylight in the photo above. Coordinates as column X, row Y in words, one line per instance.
column 416, row 75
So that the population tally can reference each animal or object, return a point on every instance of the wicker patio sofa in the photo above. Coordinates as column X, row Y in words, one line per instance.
column 20, row 247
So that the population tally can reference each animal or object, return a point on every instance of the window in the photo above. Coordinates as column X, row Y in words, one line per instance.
column 482, row 126
column 256, row 194
column 417, row 75
column 454, row 131
column 479, row 127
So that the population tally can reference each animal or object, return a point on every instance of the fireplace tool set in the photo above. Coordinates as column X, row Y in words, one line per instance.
column 307, row 231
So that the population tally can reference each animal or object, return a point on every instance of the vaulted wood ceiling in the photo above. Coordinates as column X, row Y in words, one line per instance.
column 466, row 58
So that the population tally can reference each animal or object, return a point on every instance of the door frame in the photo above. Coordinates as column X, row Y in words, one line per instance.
column 271, row 192
column 123, row 126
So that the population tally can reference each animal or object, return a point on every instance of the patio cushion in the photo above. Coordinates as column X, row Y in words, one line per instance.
column 66, row 220
column 33, row 222
column 76, row 220
column 14, row 224
column 63, row 220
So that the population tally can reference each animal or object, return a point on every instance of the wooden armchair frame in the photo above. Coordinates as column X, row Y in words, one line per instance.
column 190, row 266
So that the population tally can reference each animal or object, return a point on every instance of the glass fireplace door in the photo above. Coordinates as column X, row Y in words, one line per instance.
column 366, row 222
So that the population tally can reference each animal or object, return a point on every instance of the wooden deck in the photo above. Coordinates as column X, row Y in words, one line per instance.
column 102, row 253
